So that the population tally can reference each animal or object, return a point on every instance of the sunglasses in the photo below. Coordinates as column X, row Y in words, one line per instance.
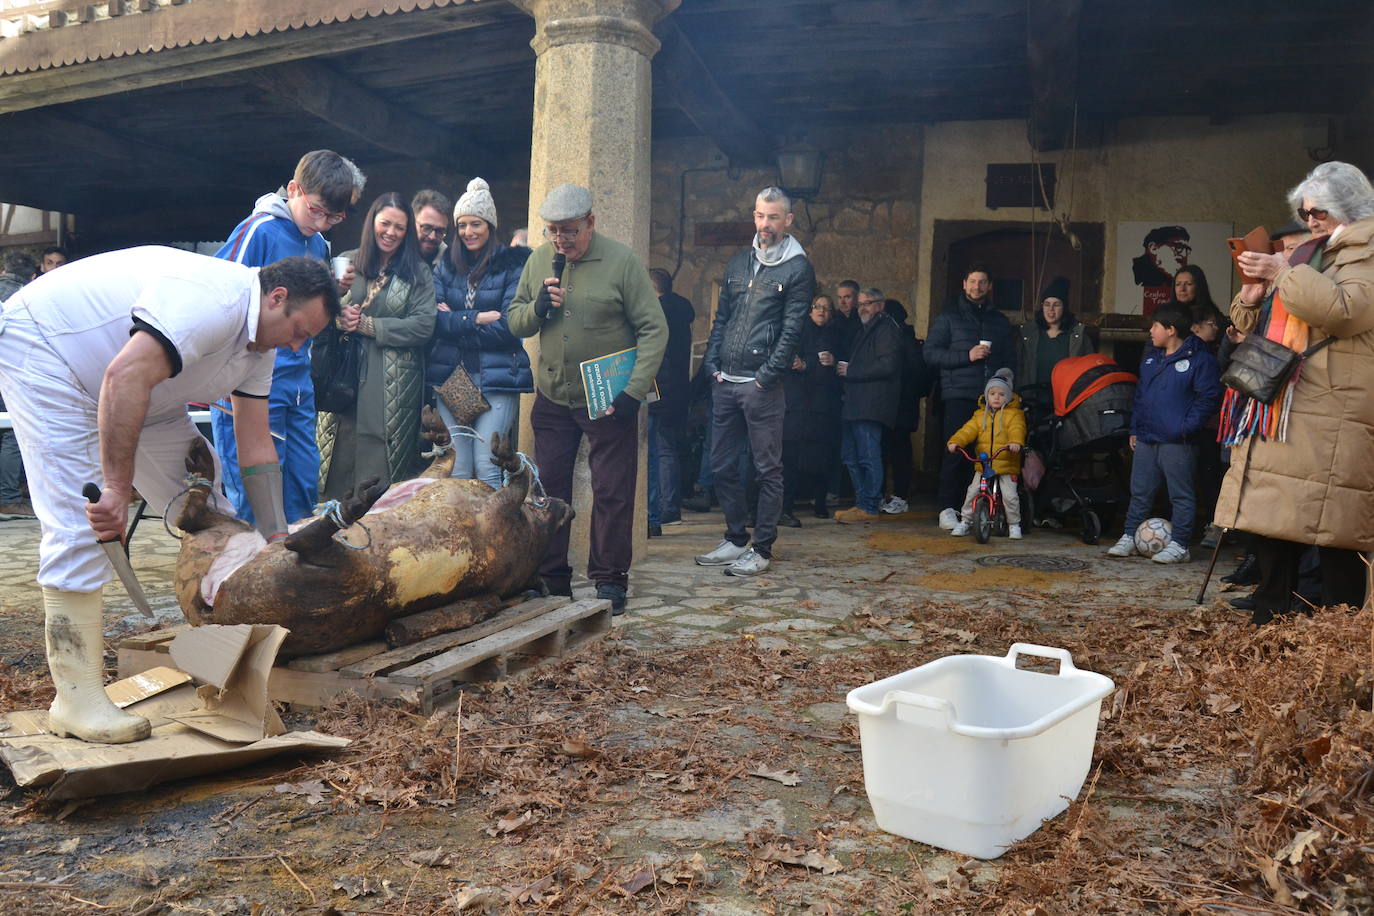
column 1314, row 213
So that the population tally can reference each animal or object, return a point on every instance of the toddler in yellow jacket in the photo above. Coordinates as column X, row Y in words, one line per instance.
column 998, row 421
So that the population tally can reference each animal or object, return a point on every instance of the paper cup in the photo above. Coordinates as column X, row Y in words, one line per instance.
column 985, row 343
column 340, row 265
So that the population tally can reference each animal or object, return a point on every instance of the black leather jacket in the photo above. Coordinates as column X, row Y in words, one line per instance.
column 759, row 318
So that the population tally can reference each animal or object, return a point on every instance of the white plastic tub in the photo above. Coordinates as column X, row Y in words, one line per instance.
column 970, row 753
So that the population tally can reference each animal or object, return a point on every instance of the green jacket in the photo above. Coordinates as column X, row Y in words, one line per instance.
column 608, row 305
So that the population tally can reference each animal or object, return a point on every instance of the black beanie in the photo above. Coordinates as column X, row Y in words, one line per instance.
column 1058, row 289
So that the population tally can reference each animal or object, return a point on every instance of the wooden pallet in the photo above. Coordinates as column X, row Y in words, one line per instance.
column 425, row 674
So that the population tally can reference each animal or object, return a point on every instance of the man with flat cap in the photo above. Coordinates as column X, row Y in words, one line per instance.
column 602, row 303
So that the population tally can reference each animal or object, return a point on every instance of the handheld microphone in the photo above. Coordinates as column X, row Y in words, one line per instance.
column 545, row 300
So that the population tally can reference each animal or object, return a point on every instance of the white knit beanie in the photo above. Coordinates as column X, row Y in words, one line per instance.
column 476, row 202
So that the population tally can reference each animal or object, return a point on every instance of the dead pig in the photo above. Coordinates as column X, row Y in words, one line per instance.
column 424, row 543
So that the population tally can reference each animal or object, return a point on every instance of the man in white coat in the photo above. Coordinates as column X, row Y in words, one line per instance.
column 97, row 364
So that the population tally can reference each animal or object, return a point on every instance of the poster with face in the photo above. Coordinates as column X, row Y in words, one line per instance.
column 1148, row 254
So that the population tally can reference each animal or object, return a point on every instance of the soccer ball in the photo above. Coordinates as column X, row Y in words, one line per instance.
column 1153, row 536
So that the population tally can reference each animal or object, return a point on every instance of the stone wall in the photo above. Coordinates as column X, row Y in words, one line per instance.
column 862, row 225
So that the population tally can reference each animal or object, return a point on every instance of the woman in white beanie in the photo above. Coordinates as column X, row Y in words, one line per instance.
column 474, row 286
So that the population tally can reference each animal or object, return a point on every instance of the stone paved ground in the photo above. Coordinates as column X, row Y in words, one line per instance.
column 823, row 576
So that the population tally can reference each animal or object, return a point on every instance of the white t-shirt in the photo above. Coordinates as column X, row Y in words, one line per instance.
column 203, row 310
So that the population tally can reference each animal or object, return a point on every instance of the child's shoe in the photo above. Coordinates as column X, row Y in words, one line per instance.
column 1173, row 552
column 960, row 530
column 1124, row 547
column 1014, row 532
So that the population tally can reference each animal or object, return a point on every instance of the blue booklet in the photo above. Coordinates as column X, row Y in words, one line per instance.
column 606, row 376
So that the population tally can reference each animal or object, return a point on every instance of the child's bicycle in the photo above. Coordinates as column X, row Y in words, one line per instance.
column 988, row 512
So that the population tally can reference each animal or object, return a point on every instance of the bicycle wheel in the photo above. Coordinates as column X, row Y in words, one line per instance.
column 982, row 519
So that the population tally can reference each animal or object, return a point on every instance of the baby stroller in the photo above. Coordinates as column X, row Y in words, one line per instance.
column 1084, row 441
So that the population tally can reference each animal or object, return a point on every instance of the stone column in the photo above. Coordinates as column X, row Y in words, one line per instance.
column 592, row 89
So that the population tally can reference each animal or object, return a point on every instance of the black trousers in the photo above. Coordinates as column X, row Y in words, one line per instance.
column 955, row 469
column 612, row 459
column 1342, row 574
column 798, row 483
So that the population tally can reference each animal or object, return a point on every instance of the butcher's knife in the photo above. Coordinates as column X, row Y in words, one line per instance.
column 120, row 560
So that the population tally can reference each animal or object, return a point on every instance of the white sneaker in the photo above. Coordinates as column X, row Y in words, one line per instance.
column 750, row 563
column 948, row 519
column 960, row 530
column 1014, row 532
column 895, row 506
column 724, row 554
column 1173, row 552
column 1125, row 547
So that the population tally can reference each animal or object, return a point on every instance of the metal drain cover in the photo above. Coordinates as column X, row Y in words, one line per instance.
column 1039, row 562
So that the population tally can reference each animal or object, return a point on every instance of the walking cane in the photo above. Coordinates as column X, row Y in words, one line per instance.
column 1216, row 551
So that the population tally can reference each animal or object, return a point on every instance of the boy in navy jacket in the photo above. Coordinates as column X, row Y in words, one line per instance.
column 1180, row 388
column 318, row 197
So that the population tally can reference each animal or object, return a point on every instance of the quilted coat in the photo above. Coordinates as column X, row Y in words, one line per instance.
column 381, row 436
column 1318, row 486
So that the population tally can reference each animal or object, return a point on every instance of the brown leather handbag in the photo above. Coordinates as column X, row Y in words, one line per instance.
column 462, row 396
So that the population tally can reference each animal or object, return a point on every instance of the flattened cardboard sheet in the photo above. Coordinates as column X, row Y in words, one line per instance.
column 228, row 723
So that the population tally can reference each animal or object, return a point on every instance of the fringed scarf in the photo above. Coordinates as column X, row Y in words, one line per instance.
column 1242, row 416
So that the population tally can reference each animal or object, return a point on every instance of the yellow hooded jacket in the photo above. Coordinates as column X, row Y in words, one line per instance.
column 992, row 429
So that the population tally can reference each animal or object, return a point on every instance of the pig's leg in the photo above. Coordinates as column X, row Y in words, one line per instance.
column 433, row 430
column 196, row 512
column 318, row 536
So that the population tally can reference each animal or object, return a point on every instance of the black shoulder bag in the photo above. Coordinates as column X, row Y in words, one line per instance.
column 1260, row 368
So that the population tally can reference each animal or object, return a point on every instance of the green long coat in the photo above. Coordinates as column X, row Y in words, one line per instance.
column 380, row 437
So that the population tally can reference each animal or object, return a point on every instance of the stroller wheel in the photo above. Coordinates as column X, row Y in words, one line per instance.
column 1092, row 527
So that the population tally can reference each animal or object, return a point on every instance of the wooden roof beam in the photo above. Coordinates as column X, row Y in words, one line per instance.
column 105, row 146
column 1052, row 53
column 684, row 78
column 315, row 88
column 36, row 86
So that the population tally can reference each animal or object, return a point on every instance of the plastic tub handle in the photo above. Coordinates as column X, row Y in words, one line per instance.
column 1066, row 665
column 905, row 698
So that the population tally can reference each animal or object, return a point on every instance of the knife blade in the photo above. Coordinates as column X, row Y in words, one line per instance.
column 114, row 550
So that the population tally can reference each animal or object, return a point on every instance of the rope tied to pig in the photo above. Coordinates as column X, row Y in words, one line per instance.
column 192, row 480
column 527, row 464
column 454, row 432
column 333, row 510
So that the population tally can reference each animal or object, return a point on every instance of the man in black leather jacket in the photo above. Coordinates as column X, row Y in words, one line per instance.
column 763, row 302
column 956, row 347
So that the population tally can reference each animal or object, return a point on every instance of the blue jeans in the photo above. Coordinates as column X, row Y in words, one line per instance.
column 291, row 414
column 472, row 459
column 1170, row 463
column 861, row 451
column 665, row 494
column 11, row 467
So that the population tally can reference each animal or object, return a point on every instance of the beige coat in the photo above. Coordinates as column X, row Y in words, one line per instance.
column 1318, row 487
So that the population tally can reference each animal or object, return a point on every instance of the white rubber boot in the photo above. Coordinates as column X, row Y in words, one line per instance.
column 76, row 650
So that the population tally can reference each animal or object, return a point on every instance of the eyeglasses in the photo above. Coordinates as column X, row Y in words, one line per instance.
column 1314, row 213
column 332, row 219
column 427, row 231
column 871, row 302
column 555, row 232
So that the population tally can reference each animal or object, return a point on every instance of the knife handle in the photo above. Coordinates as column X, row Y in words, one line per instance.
column 92, row 494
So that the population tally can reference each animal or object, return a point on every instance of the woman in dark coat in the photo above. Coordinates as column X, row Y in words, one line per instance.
column 1054, row 335
column 811, row 425
column 474, row 286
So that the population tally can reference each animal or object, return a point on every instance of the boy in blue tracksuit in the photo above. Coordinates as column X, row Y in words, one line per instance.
column 1180, row 388
column 319, row 196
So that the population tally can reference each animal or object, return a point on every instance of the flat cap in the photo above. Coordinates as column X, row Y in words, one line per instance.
column 565, row 202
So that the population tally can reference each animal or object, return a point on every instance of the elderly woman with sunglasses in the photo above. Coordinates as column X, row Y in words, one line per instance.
column 1301, row 470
